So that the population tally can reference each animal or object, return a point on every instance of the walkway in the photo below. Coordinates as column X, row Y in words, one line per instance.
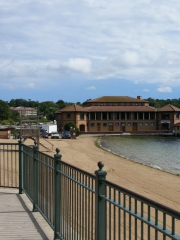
column 17, row 221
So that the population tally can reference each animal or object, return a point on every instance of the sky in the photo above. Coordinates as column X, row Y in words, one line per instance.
column 74, row 50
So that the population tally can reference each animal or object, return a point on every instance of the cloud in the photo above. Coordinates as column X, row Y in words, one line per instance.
column 164, row 89
column 129, row 41
column 78, row 64
column 29, row 86
column 91, row 88
column 145, row 90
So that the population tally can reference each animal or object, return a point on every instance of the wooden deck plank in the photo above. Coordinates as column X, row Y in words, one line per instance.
column 17, row 221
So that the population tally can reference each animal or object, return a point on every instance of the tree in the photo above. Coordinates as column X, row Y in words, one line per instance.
column 4, row 110
column 79, row 104
column 70, row 125
column 61, row 104
column 14, row 115
column 47, row 109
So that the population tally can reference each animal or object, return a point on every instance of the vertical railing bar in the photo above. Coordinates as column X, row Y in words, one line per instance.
column 100, row 203
column 92, row 202
column 68, row 191
column 76, row 224
column 47, row 187
column 74, row 193
column 142, row 224
column 124, row 205
column 86, row 207
column 65, row 191
column 135, row 232
column 7, row 165
column 11, row 161
column 164, row 225
column 40, row 180
column 4, row 164
column 20, row 166
column 173, row 225
column 82, row 205
column 149, row 218
column 114, row 215
column 72, row 203
column 62, row 206
column 16, row 179
column 69, row 203
column 129, row 218
column 88, row 236
column 57, row 194
column 156, row 223
column 119, row 215
column 49, row 192
column 77, row 205
column 109, row 214
column 35, row 178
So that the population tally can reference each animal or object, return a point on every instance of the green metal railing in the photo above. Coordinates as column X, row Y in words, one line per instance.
column 83, row 206
column 132, row 216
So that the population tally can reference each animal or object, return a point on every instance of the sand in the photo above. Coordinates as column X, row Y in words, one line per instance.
column 152, row 183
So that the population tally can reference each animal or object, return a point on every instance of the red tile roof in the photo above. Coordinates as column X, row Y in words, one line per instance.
column 72, row 108
column 169, row 108
column 76, row 108
column 116, row 99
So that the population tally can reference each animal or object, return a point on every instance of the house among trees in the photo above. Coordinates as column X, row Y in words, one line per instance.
column 118, row 114
column 25, row 111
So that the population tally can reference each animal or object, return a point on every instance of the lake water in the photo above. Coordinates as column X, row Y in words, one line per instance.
column 156, row 151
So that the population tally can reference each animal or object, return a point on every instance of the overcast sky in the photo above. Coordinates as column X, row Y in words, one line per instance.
column 75, row 50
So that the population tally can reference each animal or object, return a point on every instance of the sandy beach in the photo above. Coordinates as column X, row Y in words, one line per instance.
column 83, row 153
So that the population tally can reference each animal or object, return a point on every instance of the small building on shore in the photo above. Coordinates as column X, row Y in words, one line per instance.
column 119, row 114
column 5, row 133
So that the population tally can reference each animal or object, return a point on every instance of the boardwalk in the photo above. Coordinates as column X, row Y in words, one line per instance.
column 17, row 221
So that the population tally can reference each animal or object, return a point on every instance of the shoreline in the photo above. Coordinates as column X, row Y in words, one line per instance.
column 82, row 152
column 134, row 161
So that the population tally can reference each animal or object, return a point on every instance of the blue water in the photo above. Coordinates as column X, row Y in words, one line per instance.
column 158, row 152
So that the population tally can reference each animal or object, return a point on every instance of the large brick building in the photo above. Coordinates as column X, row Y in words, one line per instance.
column 117, row 114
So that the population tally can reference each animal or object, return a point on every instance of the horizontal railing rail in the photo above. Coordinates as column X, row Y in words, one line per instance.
column 79, row 205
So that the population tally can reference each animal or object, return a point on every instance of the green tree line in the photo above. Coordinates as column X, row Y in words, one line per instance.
column 48, row 108
column 45, row 109
column 158, row 103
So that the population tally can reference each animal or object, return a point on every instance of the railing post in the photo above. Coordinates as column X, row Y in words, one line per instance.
column 20, row 166
column 100, row 204
column 57, row 193
column 35, row 177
